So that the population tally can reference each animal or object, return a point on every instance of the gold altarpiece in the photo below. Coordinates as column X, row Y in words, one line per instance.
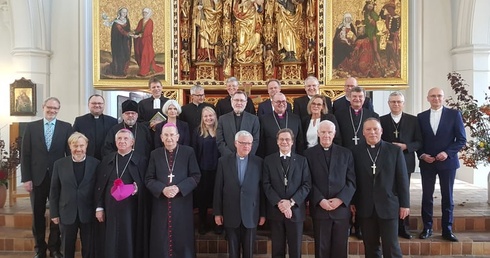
column 206, row 41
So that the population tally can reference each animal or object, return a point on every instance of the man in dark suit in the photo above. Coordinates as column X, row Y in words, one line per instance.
column 403, row 130
column 148, row 107
column 71, row 197
column 333, row 186
column 266, row 107
column 351, row 119
column 143, row 143
column 237, row 120
column 238, row 202
column 300, row 105
column 44, row 142
column 271, row 123
column 225, row 106
column 95, row 125
column 443, row 137
column 382, row 194
column 286, row 181
column 191, row 112
column 344, row 101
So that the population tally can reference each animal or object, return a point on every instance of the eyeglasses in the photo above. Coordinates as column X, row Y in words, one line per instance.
column 317, row 104
column 284, row 139
column 240, row 100
column 198, row 95
column 52, row 108
column 396, row 101
column 97, row 103
column 245, row 143
column 436, row 96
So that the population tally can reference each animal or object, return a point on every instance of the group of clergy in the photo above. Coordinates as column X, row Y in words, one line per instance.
column 142, row 177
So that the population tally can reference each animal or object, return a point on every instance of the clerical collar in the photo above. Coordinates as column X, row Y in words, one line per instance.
column 124, row 154
column 327, row 148
column 82, row 160
column 172, row 150
column 374, row 146
column 237, row 113
column 436, row 110
column 280, row 115
column 282, row 155
column 241, row 158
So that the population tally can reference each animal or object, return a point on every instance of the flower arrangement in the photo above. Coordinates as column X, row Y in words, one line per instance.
column 476, row 118
column 8, row 161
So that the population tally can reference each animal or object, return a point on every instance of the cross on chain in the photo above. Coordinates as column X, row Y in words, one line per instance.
column 171, row 176
column 374, row 168
column 355, row 139
column 396, row 133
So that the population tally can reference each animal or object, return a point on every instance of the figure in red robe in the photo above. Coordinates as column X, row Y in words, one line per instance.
column 143, row 45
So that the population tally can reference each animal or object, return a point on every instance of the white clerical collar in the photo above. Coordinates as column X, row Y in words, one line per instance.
column 396, row 118
column 287, row 155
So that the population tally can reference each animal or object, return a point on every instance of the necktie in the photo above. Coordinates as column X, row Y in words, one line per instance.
column 49, row 135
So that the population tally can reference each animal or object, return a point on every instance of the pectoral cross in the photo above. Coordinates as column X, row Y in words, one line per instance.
column 171, row 176
column 355, row 139
column 374, row 168
column 396, row 133
column 285, row 181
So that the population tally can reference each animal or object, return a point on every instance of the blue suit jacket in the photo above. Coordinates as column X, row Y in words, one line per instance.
column 450, row 137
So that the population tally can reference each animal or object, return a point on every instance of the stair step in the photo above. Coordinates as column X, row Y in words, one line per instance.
column 471, row 243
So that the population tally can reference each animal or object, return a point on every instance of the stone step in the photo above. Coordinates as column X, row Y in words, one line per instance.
column 23, row 220
column 471, row 243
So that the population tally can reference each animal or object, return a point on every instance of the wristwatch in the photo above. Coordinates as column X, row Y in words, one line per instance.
column 292, row 202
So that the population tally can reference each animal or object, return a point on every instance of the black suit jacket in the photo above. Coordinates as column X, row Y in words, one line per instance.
column 86, row 124
column 300, row 106
column 409, row 134
column 239, row 204
column 224, row 106
column 343, row 103
column 35, row 159
column 67, row 198
column 265, row 107
column 269, row 129
column 306, row 124
column 335, row 181
column 299, row 185
column 388, row 189
column 146, row 110
column 345, row 126
column 225, row 134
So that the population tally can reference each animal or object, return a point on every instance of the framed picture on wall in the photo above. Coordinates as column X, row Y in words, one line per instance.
column 131, row 43
column 23, row 98
column 367, row 40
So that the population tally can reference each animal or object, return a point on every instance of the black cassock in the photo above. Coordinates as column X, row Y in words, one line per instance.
column 172, row 220
column 125, row 231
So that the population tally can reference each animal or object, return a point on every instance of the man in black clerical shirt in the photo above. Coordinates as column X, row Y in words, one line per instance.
column 148, row 107
column 95, row 125
column 225, row 105
column 191, row 113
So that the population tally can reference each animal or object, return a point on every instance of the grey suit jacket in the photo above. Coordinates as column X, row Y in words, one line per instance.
column 36, row 160
column 225, row 134
column 67, row 198
column 239, row 204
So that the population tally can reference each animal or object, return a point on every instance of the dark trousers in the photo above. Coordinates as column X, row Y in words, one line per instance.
column 374, row 228
column 446, row 182
column 404, row 224
column 286, row 230
column 39, row 196
column 331, row 237
column 69, row 238
column 240, row 237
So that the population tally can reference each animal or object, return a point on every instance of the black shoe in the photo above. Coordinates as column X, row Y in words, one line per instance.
column 426, row 233
column 402, row 232
column 218, row 230
column 40, row 255
column 359, row 233
column 56, row 254
column 202, row 229
column 450, row 236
